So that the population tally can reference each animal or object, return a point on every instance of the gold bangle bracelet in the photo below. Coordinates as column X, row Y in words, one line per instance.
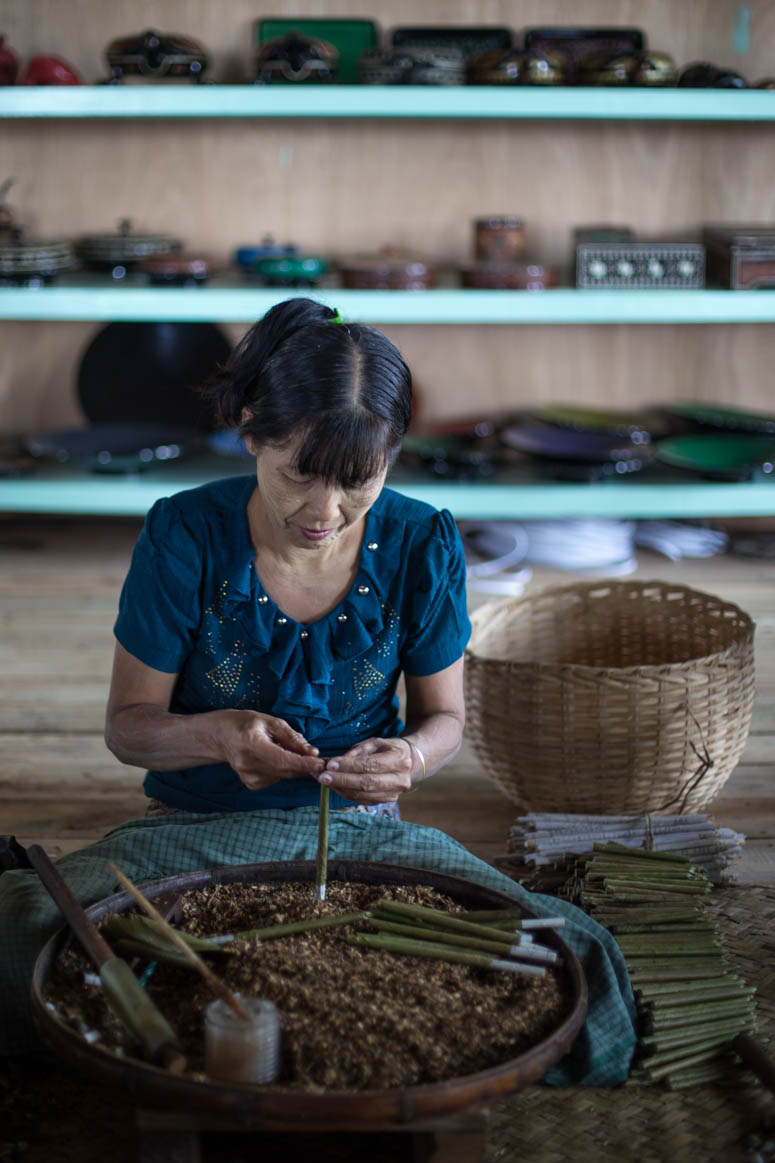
column 419, row 755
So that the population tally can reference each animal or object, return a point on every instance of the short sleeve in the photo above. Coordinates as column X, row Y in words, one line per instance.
column 160, row 604
column 438, row 627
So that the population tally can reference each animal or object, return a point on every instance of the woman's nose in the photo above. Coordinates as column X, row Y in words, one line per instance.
column 324, row 503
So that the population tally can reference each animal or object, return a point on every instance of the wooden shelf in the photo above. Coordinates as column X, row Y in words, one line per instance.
column 235, row 301
column 653, row 493
column 381, row 101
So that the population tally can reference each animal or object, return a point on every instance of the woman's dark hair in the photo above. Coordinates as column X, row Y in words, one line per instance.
column 343, row 387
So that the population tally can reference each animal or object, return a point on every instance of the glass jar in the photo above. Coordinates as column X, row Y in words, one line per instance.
column 240, row 1050
column 499, row 239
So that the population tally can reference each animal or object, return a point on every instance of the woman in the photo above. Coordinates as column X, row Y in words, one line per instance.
column 264, row 623
column 261, row 632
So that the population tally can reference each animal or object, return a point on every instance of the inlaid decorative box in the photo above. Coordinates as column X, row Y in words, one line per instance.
column 740, row 257
column 640, row 265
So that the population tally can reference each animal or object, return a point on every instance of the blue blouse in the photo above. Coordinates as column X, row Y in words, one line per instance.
column 193, row 605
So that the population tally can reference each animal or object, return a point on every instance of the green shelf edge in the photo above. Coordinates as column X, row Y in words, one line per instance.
column 81, row 493
column 378, row 101
column 245, row 304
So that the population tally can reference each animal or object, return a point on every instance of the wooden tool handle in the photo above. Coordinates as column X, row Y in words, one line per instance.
column 72, row 909
column 755, row 1058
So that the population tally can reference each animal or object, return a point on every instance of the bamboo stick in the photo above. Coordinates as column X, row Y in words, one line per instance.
column 699, row 1077
column 690, row 1005
column 485, row 916
column 674, row 1068
column 678, row 998
column 290, row 929
column 461, row 940
column 321, row 864
column 665, row 990
column 443, row 953
column 719, row 1032
column 215, row 983
column 439, row 919
column 699, row 1014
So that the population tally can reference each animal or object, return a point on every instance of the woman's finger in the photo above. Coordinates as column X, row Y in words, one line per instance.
column 283, row 734
column 379, row 783
column 377, row 762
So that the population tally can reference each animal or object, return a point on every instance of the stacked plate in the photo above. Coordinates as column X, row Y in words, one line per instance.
column 582, row 444
column 724, row 444
column 31, row 261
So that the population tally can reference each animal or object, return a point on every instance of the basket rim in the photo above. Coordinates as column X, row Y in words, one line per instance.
column 472, row 655
column 645, row 671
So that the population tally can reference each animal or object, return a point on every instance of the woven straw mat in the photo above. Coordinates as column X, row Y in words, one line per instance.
column 651, row 1124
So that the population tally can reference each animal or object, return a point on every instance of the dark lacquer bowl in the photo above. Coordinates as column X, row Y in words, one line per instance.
column 281, row 1108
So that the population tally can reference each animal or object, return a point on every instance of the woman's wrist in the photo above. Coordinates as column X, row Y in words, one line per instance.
column 418, row 759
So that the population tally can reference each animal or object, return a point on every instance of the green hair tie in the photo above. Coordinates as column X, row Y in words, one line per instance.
column 337, row 316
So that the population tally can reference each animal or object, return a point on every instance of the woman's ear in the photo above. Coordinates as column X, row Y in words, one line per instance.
column 245, row 417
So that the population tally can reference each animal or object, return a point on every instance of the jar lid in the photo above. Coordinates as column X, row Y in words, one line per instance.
column 498, row 221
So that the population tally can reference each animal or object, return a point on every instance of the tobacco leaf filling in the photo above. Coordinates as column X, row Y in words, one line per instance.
column 352, row 1018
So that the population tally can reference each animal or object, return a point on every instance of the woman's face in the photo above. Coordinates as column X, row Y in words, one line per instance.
column 307, row 510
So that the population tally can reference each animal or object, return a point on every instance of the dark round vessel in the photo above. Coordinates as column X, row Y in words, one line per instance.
column 276, row 1108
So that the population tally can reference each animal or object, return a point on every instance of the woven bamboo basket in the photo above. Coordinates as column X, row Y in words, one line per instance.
column 610, row 697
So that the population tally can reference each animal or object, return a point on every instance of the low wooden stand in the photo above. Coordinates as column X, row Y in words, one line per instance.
column 176, row 1137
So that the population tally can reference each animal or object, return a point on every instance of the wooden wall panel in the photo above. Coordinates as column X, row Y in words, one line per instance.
column 457, row 369
column 343, row 187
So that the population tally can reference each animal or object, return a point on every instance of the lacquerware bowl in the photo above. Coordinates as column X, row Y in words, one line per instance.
column 511, row 276
column 391, row 270
column 176, row 268
column 153, row 56
column 119, row 251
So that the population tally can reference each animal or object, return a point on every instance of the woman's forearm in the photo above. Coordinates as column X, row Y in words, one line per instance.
column 146, row 735
column 438, row 737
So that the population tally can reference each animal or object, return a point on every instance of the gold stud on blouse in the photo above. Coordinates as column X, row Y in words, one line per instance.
column 363, row 589
column 262, row 600
column 341, row 617
column 373, row 545
column 304, row 634
column 281, row 621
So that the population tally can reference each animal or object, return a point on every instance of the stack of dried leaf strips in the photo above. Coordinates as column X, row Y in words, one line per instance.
column 499, row 939
column 546, row 839
column 691, row 1003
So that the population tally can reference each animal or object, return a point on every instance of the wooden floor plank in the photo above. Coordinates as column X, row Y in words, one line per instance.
column 753, row 816
column 33, row 703
column 59, row 761
column 69, row 818
column 756, row 863
column 59, row 586
column 749, row 780
column 759, row 749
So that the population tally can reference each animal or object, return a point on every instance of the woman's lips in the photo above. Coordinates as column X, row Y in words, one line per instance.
column 316, row 534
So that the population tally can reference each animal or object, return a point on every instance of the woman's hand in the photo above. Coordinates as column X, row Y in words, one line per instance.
column 262, row 749
column 376, row 771
column 141, row 730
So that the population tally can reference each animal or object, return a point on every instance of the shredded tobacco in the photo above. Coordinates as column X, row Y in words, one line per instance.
column 352, row 1018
